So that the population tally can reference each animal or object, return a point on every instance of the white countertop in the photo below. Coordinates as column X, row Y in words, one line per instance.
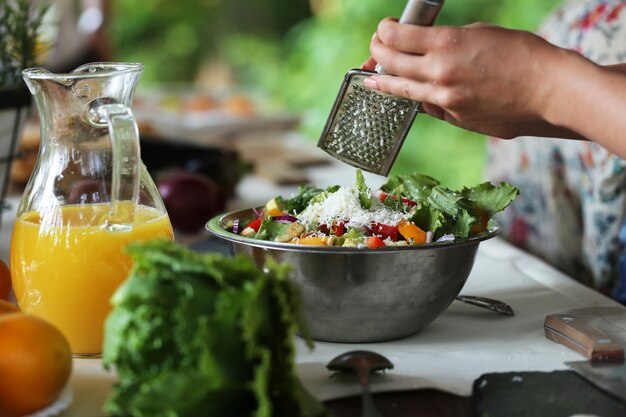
column 466, row 341
column 459, row 346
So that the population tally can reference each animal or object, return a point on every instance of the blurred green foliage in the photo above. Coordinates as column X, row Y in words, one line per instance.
column 297, row 58
column 174, row 38
column 20, row 24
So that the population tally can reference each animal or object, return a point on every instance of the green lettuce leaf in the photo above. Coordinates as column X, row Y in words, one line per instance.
column 428, row 218
column 393, row 203
column 415, row 186
column 204, row 335
column 364, row 193
column 490, row 198
column 303, row 198
column 444, row 200
column 442, row 211
column 270, row 229
column 462, row 226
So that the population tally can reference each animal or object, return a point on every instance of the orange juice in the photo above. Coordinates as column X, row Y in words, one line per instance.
column 66, row 264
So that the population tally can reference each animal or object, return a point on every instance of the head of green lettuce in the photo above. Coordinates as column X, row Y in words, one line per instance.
column 204, row 335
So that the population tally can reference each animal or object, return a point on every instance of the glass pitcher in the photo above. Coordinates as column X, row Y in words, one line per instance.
column 88, row 196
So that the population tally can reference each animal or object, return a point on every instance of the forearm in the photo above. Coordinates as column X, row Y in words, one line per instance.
column 541, row 128
column 618, row 68
column 588, row 99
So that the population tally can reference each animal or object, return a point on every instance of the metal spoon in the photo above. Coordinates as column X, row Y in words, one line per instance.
column 488, row 303
column 363, row 362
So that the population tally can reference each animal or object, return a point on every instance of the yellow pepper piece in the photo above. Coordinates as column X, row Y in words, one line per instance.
column 412, row 233
column 314, row 240
column 275, row 212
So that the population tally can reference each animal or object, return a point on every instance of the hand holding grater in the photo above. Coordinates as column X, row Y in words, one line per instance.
column 366, row 128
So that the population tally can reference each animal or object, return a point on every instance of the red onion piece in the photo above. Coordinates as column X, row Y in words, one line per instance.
column 258, row 213
column 286, row 218
column 236, row 227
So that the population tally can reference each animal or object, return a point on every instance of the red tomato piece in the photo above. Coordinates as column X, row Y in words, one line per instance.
column 384, row 195
column 338, row 229
column 374, row 242
column 385, row 231
column 255, row 224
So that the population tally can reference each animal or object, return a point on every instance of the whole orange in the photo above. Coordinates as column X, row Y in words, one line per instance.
column 5, row 281
column 35, row 364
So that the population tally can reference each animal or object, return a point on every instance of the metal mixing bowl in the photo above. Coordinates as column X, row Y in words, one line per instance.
column 353, row 295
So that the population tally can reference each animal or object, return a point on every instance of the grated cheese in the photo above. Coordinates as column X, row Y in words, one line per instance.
column 343, row 206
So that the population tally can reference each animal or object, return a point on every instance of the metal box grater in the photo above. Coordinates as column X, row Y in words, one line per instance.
column 366, row 128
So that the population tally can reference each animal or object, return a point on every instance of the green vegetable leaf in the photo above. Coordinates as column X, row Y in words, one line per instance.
column 393, row 203
column 319, row 198
column 444, row 200
column 428, row 218
column 489, row 198
column 415, row 186
column 204, row 335
column 305, row 196
column 299, row 202
column 447, row 211
column 353, row 233
column 364, row 193
column 463, row 223
column 263, row 232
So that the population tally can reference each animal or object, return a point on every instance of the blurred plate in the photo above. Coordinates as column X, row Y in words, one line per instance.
column 209, row 129
column 203, row 117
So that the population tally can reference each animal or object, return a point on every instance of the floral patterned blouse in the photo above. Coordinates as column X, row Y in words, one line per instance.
column 573, row 193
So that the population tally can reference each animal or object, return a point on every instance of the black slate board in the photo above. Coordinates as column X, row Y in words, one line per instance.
column 541, row 394
column 415, row 403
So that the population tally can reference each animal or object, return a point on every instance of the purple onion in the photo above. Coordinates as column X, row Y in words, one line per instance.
column 236, row 227
column 287, row 218
column 258, row 213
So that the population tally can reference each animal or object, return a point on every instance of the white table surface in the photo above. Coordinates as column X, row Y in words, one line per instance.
column 459, row 346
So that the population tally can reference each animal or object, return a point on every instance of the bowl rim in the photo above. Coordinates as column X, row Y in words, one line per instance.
column 215, row 227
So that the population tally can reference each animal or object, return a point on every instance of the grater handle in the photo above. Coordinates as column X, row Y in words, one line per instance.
column 418, row 12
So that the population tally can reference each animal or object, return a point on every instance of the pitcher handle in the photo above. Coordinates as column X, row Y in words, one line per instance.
column 119, row 119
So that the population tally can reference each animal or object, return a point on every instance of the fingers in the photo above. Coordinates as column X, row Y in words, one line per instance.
column 396, row 62
column 399, row 86
column 434, row 111
column 412, row 39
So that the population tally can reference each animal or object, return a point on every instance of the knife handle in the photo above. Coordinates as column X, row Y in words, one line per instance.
column 582, row 337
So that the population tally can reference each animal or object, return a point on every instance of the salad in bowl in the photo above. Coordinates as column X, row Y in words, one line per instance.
column 407, row 210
